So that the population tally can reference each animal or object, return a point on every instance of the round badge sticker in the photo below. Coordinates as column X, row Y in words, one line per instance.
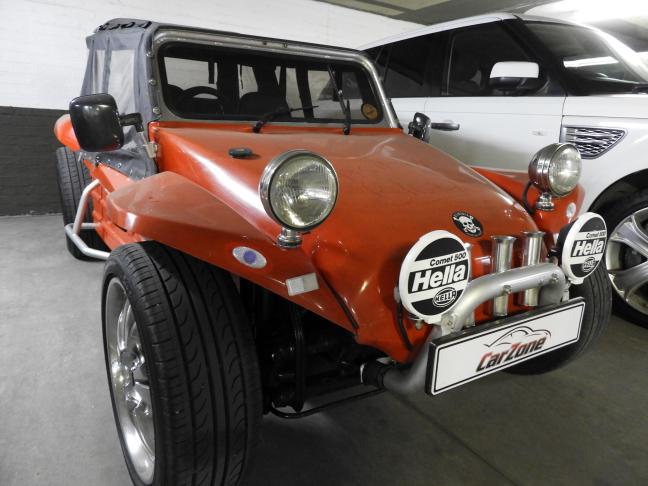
column 369, row 111
column 434, row 275
column 583, row 247
column 468, row 224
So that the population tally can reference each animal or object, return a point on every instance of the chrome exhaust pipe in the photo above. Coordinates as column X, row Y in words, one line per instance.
column 501, row 258
column 532, row 247
column 470, row 321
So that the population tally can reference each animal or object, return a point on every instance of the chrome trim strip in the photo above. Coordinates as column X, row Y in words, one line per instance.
column 586, row 138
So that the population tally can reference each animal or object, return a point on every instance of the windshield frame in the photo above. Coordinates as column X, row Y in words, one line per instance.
column 578, row 84
column 277, row 47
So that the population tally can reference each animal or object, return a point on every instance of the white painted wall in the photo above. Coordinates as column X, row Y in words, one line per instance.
column 43, row 52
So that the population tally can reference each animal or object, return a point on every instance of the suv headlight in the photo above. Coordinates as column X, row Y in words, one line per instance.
column 299, row 189
column 556, row 169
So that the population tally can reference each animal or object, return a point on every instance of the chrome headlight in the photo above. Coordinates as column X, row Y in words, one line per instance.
column 556, row 169
column 299, row 189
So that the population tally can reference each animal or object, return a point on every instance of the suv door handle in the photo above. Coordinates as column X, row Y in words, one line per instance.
column 445, row 126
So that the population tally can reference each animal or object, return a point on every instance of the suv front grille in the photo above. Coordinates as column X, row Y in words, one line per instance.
column 591, row 142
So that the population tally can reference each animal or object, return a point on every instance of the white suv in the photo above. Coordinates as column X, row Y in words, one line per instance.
column 499, row 87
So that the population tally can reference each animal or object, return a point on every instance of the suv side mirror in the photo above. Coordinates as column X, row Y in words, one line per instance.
column 419, row 127
column 515, row 76
column 97, row 124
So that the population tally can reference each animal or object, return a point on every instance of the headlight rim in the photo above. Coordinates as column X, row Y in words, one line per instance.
column 540, row 166
column 270, row 171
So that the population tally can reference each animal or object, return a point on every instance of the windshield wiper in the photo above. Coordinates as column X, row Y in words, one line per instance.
column 346, row 109
column 274, row 114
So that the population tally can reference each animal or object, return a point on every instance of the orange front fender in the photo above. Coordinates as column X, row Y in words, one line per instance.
column 551, row 222
column 65, row 133
column 175, row 211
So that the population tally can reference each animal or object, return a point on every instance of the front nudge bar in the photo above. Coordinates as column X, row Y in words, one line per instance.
column 547, row 277
column 73, row 230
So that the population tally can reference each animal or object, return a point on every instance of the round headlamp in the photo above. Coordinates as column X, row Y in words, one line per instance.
column 556, row 169
column 299, row 189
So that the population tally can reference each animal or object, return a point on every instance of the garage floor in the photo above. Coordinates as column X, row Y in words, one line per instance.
column 586, row 424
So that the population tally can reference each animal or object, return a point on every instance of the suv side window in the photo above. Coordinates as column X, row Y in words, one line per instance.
column 411, row 68
column 472, row 53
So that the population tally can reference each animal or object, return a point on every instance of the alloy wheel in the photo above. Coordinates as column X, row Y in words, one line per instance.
column 626, row 258
column 129, row 381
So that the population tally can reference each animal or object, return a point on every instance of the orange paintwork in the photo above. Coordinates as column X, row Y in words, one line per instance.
column 65, row 134
column 392, row 189
column 551, row 222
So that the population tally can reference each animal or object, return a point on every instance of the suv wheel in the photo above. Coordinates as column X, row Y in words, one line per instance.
column 626, row 256
column 182, row 367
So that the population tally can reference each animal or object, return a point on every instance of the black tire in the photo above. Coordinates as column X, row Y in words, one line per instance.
column 72, row 176
column 596, row 291
column 614, row 215
column 202, row 364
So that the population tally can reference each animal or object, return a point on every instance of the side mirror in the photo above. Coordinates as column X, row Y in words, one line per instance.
column 515, row 76
column 419, row 127
column 97, row 124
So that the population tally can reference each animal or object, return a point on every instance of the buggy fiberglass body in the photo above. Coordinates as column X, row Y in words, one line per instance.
column 272, row 236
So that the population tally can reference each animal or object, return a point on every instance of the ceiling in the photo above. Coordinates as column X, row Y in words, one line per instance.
column 625, row 19
column 434, row 11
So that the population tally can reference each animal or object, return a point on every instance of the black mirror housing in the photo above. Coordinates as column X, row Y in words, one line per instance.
column 96, row 123
column 419, row 127
column 519, row 85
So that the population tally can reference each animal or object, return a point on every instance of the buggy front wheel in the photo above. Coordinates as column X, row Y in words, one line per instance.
column 182, row 368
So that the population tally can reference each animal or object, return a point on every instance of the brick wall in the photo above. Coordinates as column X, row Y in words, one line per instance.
column 27, row 173
column 43, row 57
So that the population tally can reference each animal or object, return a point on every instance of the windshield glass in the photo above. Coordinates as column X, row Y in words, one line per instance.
column 214, row 83
column 596, row 61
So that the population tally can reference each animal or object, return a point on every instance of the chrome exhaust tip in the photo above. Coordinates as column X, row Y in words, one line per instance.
column 501, row 259
column 532, row 247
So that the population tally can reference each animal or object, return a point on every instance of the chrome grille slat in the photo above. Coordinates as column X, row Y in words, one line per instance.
column 592, row 142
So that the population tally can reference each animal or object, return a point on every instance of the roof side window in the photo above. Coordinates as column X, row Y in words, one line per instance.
column 472, row 53
column 97, row 73
column 121, row 79
column 411, row 68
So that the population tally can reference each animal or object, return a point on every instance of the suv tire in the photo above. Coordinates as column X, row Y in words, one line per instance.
column 598, row 306
column 622, row 256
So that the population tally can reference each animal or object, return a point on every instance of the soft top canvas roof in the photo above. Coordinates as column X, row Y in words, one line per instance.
column 119, row 62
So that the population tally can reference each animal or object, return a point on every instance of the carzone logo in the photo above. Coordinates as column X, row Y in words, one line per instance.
column 513, row 346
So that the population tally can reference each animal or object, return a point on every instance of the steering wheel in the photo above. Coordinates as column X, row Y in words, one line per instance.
column 194, row 91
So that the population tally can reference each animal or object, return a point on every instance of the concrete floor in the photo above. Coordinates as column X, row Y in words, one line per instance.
column 586, row 424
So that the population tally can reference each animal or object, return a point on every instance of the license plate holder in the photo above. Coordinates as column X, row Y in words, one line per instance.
column 460, row 358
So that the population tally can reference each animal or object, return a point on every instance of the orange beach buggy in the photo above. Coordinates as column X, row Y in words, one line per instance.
column 272, row 236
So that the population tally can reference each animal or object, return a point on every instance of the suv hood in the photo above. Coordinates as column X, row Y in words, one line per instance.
column 609, row 106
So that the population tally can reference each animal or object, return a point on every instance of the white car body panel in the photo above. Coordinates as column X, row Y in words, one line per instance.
column 611, row 106
column 628, row 156
column 495, row 131
column 504, row 132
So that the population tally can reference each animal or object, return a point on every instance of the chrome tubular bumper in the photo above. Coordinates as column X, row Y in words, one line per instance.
column 73, row 230
column 547, row 277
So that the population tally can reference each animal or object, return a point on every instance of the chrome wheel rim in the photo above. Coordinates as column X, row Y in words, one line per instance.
column 129, row 381
column 626, row 257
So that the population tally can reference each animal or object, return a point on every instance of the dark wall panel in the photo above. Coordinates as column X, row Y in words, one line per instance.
column 27, row 171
